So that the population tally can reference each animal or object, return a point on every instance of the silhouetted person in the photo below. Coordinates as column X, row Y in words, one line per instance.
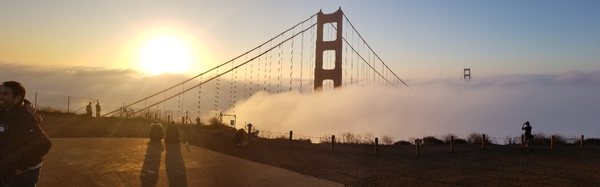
column 156, row 132
column 88, row 109
column 528, row 136
column 22, row 142
column 171, row 134
column 98, row 109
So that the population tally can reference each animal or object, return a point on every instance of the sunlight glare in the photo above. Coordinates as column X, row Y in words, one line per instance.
column 165, row 54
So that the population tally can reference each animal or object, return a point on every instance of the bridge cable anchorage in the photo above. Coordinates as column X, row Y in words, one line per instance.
column 369, row 46
column 227, row 71
column 212, row 69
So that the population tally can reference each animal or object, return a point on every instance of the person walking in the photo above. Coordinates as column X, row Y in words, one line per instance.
column 88, row 109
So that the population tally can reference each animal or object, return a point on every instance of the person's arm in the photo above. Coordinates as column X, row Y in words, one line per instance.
column 36, row 145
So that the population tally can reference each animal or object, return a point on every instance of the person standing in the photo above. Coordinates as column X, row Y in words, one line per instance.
column 88, row 109
column 528, row 136
column 22, row 142
column 98, row 109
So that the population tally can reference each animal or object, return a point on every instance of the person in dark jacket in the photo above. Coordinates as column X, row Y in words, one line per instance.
column 22, row 141
column 528, row 136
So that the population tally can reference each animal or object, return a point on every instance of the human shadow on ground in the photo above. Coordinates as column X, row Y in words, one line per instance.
column 150, row 168
column 175, row 165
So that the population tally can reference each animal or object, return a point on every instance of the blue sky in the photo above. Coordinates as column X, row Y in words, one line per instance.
column 418, row 39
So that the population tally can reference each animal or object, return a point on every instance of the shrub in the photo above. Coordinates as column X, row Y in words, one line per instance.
column 512, row 140
column 369, row 138
column 386, row 140
column 559, row 139
column 430, row 140
column 214, row 121
column 460, row 141
column 239, row 136
column 402, row 142
column 476, row 138
column 350, row 138
column 457, row 140
column 447, row 138
column 325, row 139
column 592, row 141
column 540, row 139
column 307, row 141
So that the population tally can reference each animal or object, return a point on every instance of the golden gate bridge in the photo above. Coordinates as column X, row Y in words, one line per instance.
column 322, row 52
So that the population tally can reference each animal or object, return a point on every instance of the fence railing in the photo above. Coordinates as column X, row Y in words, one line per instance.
column 481, row 140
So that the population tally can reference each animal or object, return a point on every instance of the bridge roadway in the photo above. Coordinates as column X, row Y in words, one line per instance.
column 136, row 162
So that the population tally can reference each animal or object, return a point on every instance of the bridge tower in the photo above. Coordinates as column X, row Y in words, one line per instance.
column 322, row 74
column 467, row 74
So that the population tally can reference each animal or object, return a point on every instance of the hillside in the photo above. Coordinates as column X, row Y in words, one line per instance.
column 496, row 165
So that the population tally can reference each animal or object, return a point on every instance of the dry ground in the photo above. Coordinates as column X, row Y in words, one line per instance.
column 356, row 165
column 137, row 162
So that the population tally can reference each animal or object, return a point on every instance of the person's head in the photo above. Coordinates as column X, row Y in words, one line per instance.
column 11, row 93
column 527, row 123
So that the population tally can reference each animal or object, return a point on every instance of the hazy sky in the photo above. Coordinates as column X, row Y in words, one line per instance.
column 418, row 39
column 531, row 60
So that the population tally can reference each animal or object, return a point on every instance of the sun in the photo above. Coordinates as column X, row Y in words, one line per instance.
column 165, row 54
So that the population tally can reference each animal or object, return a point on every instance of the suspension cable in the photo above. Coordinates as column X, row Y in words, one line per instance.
column 225, row 72
column 369, row 46
column 210, row 70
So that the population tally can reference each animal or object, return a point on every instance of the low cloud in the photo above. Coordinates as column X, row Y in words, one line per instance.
column 566, row 104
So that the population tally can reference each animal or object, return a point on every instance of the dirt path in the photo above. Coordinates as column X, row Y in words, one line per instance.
column 136, row 162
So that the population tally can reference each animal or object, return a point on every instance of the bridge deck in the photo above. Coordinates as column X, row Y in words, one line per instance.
column 136, row 162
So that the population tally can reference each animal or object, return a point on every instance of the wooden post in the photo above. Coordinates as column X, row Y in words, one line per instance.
column 332, row 142
column 482, row 141
column 451, row 143
column 35, row 101
column 249, row 130
column 68, row 103
column 552, row 142
column 417, row 143
column 291, row 134
column 581, row 142
column 376, row 145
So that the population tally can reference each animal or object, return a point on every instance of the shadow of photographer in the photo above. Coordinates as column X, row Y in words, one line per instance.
column 175, row 165
column 151, row 166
